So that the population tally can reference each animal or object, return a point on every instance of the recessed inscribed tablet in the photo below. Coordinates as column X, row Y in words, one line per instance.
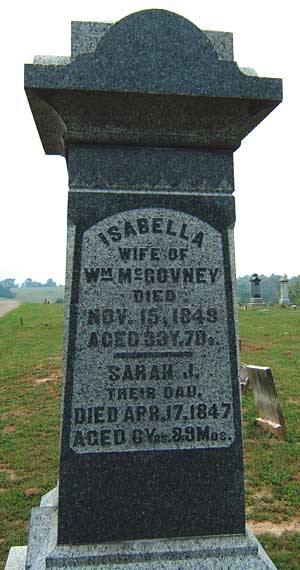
column 152, row 363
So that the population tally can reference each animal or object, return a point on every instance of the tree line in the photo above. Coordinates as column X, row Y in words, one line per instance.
column 7, row 286
column 270, row 289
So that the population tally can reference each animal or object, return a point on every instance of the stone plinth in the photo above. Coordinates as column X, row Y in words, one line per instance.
column 239, row 552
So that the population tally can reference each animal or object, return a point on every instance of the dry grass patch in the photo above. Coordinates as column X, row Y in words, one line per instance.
column 54, row 378
column 8, row 429
column 252, row 347
column 276, row 529
column 15, row 413
column 32, row 492
column 294, row 400
column 11, row 474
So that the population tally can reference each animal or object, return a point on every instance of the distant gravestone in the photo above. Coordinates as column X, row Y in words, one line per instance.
column 270, row 416
column 256, row 299
column 148, row 113
column 284, row 291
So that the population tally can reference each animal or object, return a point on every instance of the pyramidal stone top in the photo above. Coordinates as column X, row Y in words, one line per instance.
column 158, row 55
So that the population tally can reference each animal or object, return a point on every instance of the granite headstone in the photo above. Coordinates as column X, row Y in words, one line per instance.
column 270, row 417
column 256, row 299
column 148, row 113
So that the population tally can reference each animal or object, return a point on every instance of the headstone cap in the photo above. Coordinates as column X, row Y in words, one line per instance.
column 85, row 37
column 254, row 277
column 160, row 37
column 152, row 79
column 153, row 51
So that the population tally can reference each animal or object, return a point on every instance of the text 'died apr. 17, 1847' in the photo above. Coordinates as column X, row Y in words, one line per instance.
column 152, row 362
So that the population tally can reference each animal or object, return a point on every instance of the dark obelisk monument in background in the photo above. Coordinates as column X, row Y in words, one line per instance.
column 148, row 113
column 256, row 299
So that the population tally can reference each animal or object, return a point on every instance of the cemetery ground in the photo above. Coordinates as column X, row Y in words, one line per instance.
column 30, row 373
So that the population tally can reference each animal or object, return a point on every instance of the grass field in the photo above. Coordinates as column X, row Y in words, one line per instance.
column 38, row 294
column 29, row 424
column 29, row 414
column 272, row 476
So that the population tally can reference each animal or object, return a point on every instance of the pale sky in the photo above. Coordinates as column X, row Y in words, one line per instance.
column 34, row 186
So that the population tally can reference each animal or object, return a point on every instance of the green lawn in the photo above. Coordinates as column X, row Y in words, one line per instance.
column 271, row 337
column 30, row 356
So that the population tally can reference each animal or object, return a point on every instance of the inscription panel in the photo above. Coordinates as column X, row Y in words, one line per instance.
column 152, row 366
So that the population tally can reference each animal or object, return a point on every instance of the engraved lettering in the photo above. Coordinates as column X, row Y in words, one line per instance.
column 93, row 342
column 78, row 439
column 143, row 225
column 198, row 239
column 124, row 253
column 213, row 274
column 129, row 230
column 153, row 360
column 182, row 232
column 114, row 233
column 169, row 228
column 103, row 238
column 92, row 274
column 125, row 275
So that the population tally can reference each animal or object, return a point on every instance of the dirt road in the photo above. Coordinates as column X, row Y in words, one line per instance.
column 6, row 306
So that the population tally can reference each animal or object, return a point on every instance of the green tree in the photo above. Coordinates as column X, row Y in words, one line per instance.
column 294, row 290
column 9, row 283
column 270, row 288
column 243, row 289
column 50, row 283
column 6, row 293
column 29, row 283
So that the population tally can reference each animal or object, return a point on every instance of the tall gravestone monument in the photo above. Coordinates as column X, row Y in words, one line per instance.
column 148, row 113
column 256, row 299
column 284, row 291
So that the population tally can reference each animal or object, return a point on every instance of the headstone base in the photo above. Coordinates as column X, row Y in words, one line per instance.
column 271, row 427
column 237, row 552
column 240, row 552
column 16, row 558
column 256, row 303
